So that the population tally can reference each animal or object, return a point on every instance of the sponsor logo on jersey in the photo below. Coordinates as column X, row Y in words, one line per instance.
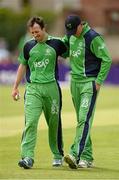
column 41, row 64
column 77, row 53
column 48, row 52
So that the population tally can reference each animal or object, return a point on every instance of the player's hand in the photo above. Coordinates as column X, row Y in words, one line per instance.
column 97, row 86
column 15, row 94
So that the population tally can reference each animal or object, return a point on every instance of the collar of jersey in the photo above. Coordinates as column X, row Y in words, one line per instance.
column 45, row 38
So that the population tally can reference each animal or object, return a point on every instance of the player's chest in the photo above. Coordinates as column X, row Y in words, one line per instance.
column 77, row 48
column 41, row 52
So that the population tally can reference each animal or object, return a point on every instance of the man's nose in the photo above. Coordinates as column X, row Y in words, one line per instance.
column 35, row 35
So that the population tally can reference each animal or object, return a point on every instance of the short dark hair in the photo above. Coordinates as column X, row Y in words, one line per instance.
column 36, row 19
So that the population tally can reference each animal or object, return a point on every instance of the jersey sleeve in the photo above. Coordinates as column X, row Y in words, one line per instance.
column 24, row 55
column 100, row 50
column 21, row 59
column 65, row 40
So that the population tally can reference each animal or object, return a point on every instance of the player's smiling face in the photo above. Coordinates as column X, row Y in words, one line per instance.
column 37, row 32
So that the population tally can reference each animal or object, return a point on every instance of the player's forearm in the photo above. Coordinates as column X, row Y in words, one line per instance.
column 105, row 67
column 20, row 74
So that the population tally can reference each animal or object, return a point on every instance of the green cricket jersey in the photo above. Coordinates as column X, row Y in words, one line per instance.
column 89, row 57
column 41, row 59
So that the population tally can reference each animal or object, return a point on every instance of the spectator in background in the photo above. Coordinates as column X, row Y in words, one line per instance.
column 23, row 40
column 4, row 53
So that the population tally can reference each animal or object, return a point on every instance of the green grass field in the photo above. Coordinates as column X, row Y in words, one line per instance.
column 105, row 136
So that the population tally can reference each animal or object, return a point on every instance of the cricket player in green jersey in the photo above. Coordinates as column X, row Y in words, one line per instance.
column 90, row 63
column 39, row 62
